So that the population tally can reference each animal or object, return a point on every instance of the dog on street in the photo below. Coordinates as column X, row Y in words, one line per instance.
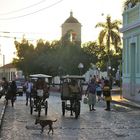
column 43, row 123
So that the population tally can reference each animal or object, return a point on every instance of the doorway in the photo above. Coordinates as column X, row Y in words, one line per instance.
column 132, row 69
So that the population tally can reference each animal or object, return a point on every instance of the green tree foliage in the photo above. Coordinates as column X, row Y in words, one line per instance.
column 52, row 58
column 63, row 57
column 24, row 60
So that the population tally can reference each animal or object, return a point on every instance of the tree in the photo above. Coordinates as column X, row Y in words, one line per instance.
column 25, row 56
column 109, row 36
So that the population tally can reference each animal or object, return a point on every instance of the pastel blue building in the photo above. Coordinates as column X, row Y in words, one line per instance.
column 131, row 52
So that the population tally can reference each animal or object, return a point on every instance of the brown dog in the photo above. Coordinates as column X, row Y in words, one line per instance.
column 44, row 123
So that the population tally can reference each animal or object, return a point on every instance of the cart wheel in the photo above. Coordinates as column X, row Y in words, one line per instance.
column 31, row 110
column 77, row 110
column 63, row 108
column 30, row 100
column 46, row 107
column 39, row 110
column 31, row 107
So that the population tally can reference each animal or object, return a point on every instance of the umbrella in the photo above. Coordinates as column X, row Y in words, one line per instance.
column 40, row 76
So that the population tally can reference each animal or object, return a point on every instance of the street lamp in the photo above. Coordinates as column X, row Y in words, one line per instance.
column 80, row 66
column 99, row 72
column 109, row 70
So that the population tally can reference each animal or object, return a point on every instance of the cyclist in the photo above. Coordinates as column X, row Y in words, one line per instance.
column 41, row 89
column 75, row 93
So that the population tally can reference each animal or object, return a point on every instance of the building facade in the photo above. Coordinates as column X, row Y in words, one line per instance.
column 131, row 52
column 71, row 29
column 10, row 72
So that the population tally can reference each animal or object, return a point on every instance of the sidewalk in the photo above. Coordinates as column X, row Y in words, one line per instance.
column 2, row 110
column 116, row 98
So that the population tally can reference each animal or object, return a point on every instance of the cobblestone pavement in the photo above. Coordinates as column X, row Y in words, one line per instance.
column 120, row 123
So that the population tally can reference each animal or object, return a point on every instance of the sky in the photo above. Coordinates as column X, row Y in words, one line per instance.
column 37, row 19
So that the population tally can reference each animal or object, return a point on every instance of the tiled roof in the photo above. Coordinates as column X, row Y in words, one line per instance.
column 10, row 65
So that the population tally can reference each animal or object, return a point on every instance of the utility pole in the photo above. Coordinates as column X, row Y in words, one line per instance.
column 3, row 65
column 3, row 62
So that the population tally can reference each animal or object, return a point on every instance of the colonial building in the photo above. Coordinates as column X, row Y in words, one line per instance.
column 10, row 72
column 71, row 30
column 131, row 52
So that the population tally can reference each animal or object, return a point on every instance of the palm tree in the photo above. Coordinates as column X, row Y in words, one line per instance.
column 109, row 35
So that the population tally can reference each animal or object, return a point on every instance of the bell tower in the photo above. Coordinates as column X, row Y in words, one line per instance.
column 71, row 30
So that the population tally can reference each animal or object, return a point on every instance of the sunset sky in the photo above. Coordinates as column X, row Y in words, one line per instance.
column 43, row 19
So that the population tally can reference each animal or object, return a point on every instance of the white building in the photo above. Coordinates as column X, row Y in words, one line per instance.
column 10, row 72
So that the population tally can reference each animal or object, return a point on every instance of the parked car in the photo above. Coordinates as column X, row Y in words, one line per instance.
column 19, row 87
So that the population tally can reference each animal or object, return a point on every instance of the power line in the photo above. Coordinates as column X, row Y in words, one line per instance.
column 10, row 18
column 9, row 32
column 29, row 39
column 30, row 6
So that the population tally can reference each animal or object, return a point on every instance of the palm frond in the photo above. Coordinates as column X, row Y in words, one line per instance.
column 102, row 36
column 100, row 24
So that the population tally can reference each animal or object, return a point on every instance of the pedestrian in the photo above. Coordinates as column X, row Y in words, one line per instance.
column 28, row 90
column 91, row 93
column 13, row 92
column 99, row 90
column 5, row 88
column 4, row 85
column 107, row 94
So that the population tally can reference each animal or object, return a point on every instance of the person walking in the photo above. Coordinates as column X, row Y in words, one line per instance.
column 5, row 85
column 29, row 87
column 5, row 89
column 99, row 90
column 107, row 94
column 12, row 92
column 91, row 93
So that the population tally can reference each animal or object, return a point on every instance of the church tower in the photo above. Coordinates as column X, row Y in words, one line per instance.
column 71, row 30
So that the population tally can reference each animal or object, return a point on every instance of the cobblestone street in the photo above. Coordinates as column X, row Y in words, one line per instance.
column 120, row 123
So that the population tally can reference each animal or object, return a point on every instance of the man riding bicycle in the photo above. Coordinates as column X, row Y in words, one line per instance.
column 74, row 92
column 41, row 89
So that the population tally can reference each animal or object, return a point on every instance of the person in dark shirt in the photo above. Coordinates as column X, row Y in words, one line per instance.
column 13, row 91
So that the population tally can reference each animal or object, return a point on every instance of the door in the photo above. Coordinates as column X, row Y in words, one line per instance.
column 132, row 69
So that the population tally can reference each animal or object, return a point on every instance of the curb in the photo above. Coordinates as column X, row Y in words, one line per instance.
column 126, row 104
column 2, row 114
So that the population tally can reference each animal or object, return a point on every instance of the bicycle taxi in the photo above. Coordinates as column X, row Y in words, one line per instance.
column 39, row 94
column 71, row 94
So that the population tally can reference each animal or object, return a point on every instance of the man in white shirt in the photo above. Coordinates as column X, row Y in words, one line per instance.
column 29, row 86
